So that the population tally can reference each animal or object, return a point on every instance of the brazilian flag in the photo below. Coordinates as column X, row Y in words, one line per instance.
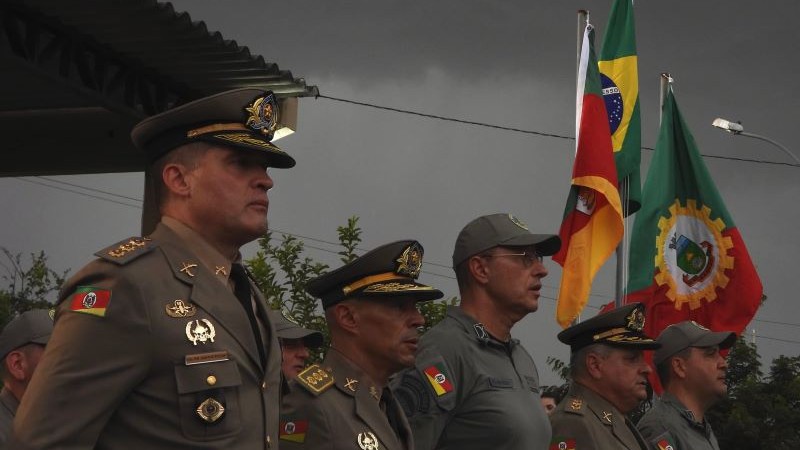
column 620, row 82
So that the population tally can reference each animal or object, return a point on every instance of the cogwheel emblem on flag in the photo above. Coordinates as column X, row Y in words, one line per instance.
column 692, row 254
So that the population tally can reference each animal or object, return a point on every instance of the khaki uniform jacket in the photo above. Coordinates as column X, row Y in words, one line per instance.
column 140, row 376
column 584, row 420
column 336, row 406
column 8, row 407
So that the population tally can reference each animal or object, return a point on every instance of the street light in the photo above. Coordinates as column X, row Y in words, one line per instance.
column 737, row 129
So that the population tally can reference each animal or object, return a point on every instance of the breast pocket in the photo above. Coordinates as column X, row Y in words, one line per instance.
column 208, row 396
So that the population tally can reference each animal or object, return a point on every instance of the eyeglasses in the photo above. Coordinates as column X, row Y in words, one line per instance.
column 528, row 257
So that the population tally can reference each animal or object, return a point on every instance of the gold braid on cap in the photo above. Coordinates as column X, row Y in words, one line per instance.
column 214, row 127
column 371, row 279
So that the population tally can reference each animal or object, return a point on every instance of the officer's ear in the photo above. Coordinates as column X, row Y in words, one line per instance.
column 16, row 365
column 176, row 179
column 678, row 365
column 345, row 315
column 478, row 268
column 594, row 364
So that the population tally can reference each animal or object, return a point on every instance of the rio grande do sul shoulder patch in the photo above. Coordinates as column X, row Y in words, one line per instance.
column 90, row 300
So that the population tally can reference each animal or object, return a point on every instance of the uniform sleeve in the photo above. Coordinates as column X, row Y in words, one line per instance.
column 91, row 363
column 573, row 431
column 428, row 393
column 304, row 423
column 653, row 429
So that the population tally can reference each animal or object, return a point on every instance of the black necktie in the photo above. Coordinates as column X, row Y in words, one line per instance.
column 242, row 292
column 390, row 409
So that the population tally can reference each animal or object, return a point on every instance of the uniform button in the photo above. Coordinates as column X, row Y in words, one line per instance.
column 264, row 385
column 211, row 380
column 269, row 443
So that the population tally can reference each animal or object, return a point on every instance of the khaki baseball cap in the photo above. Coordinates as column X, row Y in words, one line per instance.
column 286, row 328
column 689, row 333
column 494, row 230
column 31, row 327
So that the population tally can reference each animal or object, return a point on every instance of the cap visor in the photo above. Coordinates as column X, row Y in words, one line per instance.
column 723, row 339
column 546, row 244
column 252, row 141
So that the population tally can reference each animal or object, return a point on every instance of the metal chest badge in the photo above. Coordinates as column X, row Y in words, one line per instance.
column 410, row 262
column 263, row 115
column 179, row 309
column 368, row 441
column 201, row 330
column 210, row 410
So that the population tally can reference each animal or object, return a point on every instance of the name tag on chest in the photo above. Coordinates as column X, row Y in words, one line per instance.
column 501, row 383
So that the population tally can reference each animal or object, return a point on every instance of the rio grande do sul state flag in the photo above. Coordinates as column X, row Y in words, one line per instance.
column 592, row 225
column 687, row 259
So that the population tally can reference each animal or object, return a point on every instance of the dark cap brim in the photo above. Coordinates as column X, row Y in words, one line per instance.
column 546, row 244
column 401, row 287
column 311, row 338
column 275, row 157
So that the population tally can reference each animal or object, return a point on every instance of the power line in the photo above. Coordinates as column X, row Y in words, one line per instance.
column 330, row 243
column 520, row 130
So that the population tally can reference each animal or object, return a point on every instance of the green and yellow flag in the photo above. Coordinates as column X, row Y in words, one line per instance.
column 620, row 80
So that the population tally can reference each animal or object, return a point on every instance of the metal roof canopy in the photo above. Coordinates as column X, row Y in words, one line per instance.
column 77, row 75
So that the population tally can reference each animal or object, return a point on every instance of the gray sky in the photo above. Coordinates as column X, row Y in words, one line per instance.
column 509, row 63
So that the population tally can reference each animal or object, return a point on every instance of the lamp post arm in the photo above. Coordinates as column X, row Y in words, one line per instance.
column 766, row 139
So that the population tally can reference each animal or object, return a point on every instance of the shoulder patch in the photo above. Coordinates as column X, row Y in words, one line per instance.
column 127, row 250
column 315, row 379
column 562, row 443
column 90, row 300
column 664, row 442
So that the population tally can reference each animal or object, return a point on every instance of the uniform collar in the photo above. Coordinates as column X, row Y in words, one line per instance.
column 8, row 400
column 350, row 378
column 686, row 413
column 213, row 260
column 476, row 329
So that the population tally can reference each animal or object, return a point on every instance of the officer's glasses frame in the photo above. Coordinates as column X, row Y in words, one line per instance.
column 529, row 257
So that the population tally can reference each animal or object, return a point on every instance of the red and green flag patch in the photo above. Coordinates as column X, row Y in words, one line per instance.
column 562, row 443
column 664, row 444
column 294, row 430
column 439, row 379
column 90, row 300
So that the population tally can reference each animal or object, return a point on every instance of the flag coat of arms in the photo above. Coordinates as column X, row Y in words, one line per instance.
column 592, row 225
column 688, row 260
column 620, row 81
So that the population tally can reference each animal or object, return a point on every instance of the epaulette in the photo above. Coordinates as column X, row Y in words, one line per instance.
column 127, row 250
column 575, row 406
column 315, row 379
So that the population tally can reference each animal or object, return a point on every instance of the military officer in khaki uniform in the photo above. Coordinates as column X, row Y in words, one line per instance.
column 163, row 342
column 609, row 380
column 370, row 307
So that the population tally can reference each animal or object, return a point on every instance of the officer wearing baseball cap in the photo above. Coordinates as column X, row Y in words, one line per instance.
column 21, row 346
column 472, row 378
column 692, row 372
column 371, row 309
column 296, row 342
column 609, row 380
column 166, row 331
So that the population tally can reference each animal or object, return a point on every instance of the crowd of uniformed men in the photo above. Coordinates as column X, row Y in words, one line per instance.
column 163, row 341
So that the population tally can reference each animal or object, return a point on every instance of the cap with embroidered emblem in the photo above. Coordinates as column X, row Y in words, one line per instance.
column 31, row 327
column 241, row 118
column 689, row 333
column 494, row 230
column 388, row 271
column 620, row 327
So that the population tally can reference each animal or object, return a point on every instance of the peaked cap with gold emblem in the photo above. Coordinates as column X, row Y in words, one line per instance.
column 242, row 118
column 388, row 271
column 621, row 327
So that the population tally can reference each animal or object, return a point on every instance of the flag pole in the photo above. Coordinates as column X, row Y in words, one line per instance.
column 583, row 18
column 666, row 80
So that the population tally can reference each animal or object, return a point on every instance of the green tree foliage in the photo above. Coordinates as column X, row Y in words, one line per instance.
column 281, row 272
column 761, row 412
column 27, row 286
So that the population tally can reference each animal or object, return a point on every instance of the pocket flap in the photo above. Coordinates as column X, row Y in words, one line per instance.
column 202, row 377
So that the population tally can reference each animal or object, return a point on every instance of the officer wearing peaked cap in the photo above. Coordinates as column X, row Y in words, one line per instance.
column 370, row 307
column 609, row 380
column 163, row 342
